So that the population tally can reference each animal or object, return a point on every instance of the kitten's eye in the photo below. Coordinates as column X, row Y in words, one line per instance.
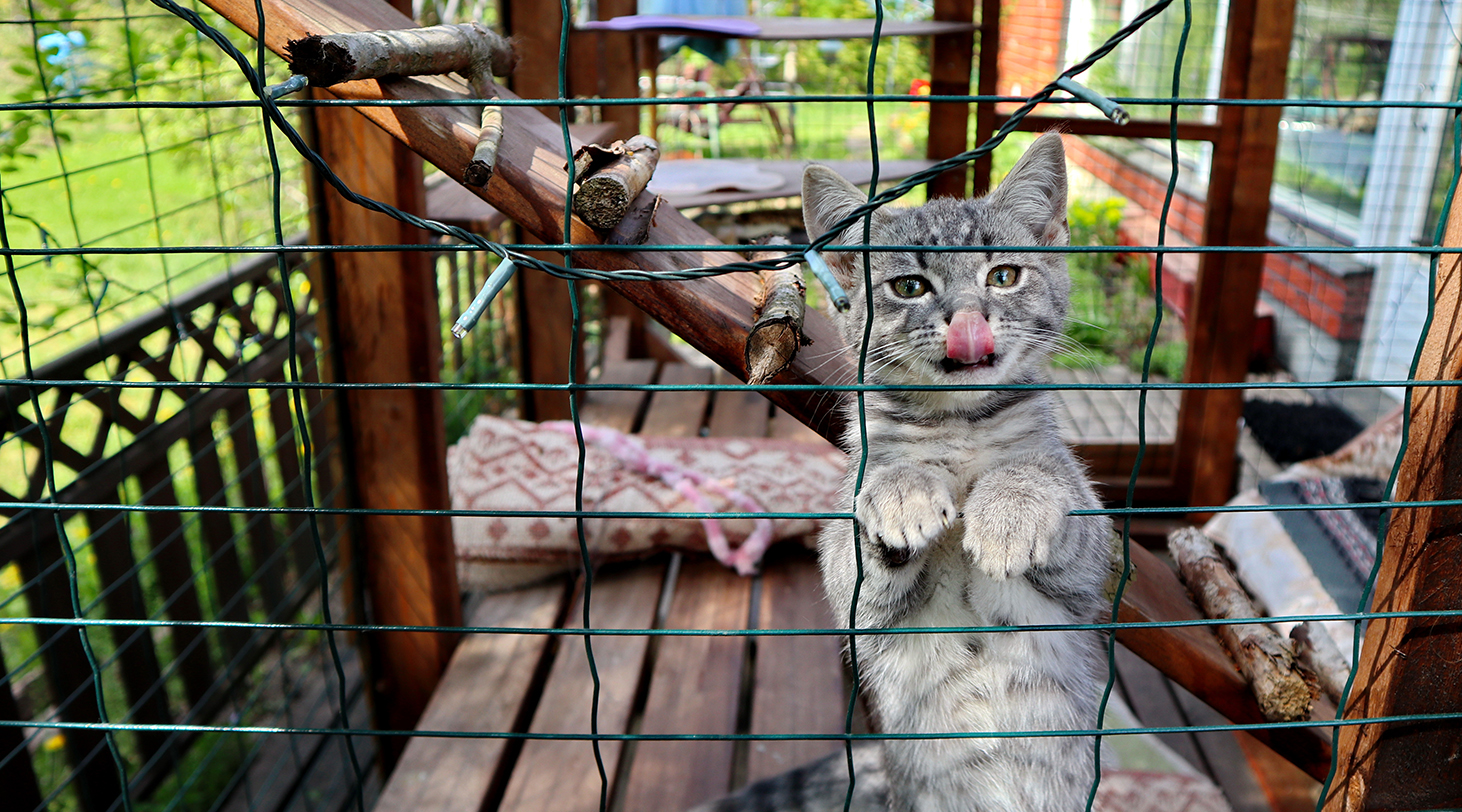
column 1003, row 276
column 910, row 287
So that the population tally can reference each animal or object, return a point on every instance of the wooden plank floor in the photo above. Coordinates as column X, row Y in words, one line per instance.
column 675, row 684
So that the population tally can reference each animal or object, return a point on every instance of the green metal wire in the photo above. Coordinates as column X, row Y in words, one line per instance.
column 1368, row 591
column 747, row 737
column 799, row 632
column 302, row 427
column 272, row 116
column 1125, row 576
column 1134, row 101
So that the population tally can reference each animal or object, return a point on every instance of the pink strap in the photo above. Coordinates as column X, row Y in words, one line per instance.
column 689, row 483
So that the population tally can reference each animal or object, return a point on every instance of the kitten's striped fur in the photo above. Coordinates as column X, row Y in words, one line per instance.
column 964, row 504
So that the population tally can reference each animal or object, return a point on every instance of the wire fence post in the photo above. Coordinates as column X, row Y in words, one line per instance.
column 383, row 309
column 1408, row 665
column 1221, row 322
column 949, row 75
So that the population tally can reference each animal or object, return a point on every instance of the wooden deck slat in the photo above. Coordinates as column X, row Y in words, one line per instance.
column 1149, row 695
column 617, row 409
column 1230, row 768
column 561, row 775
column 799, row 680
column 787, row 427
column 276, row 768
column 694, row 689
column 482, row 690
column 678, row 414
column 739, row 412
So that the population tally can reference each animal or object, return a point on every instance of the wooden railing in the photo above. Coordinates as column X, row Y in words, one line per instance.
column 127, row 458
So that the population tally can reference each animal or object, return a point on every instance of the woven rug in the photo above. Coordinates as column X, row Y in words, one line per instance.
column 1340, row 544
column 1136, row 791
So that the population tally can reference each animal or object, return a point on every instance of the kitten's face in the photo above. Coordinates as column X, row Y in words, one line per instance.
column 970, row 315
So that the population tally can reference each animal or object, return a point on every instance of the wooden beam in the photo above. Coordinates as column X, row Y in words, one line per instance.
column 1187, row 130
column 1408, row 665
column 986, row 85
column 619, row 73
column 384, row 315
column 1222, row 318
column 949, row 75
column 544, row 311
column 713, row 314
column 1192, row 657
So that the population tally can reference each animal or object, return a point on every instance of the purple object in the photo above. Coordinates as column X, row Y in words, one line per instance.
column 725, row 26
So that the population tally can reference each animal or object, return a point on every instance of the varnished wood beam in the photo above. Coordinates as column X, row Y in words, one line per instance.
column 987, row 85
column 949, row 75
column 1408, row 665
column 1221, row 320
column 384, row 315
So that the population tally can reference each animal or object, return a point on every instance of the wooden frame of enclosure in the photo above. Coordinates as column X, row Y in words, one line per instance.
column 399, row 462
column 1200, row 467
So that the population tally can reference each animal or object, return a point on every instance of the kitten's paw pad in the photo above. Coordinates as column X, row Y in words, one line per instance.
column 1006, row 534
column 903, row 513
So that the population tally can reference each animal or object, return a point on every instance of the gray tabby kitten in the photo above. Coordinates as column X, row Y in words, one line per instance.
column 963, row 510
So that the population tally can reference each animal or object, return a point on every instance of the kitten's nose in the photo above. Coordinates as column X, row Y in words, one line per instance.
column 969, row 338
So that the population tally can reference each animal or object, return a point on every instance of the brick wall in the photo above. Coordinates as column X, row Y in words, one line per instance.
column 1030, row 44
column 1334, row 303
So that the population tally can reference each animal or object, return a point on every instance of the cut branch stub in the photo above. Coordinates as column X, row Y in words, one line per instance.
column 1265, row 658
column 490, row 136
column 776, row 335
column 469, row 48
column 634, row 229
column 610, row 178
column 1318, row 652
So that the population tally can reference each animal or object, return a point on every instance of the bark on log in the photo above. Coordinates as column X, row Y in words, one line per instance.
column 1318, row 652
column 776, row 335
column 1264, row 657
column 469, row 48
column 605, row 189
column 634, row 229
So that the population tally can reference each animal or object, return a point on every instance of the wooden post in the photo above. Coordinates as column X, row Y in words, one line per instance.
column 1408, row 665
column 618, row 73
column 987, row 83
column 384, row 314
column 1221, row 320
column 949, row 68
column 544, row 312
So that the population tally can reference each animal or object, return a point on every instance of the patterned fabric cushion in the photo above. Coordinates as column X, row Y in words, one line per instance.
column 513, row 465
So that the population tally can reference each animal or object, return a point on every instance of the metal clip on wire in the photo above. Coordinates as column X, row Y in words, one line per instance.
column 1109, row 108
column 293, row 84
column 495, row 282
column 824, row 275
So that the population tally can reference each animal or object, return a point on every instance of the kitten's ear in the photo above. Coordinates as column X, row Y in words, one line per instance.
column 1035, row 190
column 828, row 197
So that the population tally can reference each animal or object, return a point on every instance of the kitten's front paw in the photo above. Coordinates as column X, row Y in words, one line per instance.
column 1008, row 533
column 903, row 510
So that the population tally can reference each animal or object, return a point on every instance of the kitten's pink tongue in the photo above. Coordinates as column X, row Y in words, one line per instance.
column 969, row 337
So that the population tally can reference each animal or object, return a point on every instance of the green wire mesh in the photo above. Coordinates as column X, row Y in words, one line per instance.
column 229, row 90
